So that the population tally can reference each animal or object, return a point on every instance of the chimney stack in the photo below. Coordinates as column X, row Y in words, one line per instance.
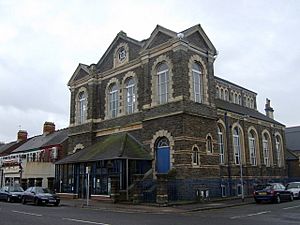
column 49, row 128
column 269, row 110
column 22, row 135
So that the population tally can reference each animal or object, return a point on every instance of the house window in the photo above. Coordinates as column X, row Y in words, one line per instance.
column 252, row 148
column 221, row 145
column 196, row 156
column 197, row 82
column 209, row 144
column 278, row 151
column 163, row 79
column 82, row 109
column 130, row 96
column 266, row 150
column 236, row 146
column 113, row 100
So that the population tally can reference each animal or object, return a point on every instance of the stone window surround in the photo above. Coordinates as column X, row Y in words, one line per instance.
column 257, row 149
column 154, row 80
column 107, row 103
column 77, row 114
column 198, row 59
column 116, row 59
column 159, row 134
column 78, row 147
column 269, row 146
column 128, row 75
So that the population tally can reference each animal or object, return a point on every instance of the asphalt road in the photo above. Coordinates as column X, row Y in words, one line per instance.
column 262, row 214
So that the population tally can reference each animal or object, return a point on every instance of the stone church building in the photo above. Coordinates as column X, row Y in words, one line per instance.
column 152, row 121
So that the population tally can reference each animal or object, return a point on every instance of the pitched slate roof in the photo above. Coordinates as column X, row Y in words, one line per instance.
column 292, row 135
column 9, row 147
column 231, row 107
column 40, row 141
column 115, row 146
column 290, row 155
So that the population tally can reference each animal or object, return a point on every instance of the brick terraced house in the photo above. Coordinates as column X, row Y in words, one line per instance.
column 151, row 122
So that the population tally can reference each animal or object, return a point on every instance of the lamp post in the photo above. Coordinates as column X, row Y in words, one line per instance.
column 241, row 164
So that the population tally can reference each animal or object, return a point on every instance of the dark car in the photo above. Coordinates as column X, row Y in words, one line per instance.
column 11, row 193
column 274, row 192
column 40, row 195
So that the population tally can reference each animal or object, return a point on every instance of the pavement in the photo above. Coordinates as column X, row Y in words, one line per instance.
column 154, row 208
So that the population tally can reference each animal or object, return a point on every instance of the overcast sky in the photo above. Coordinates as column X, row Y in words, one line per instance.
column 42, row 42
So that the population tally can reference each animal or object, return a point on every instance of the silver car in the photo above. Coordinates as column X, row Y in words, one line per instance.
column 294, row 187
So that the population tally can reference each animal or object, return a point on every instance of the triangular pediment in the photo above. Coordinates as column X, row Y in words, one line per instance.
column 81, row 72
column 159, row 36
column 132, row 46
column 196, row 36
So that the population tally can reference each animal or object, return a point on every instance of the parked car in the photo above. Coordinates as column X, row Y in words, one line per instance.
column 294, row 187
column 274, row 192
column 40, row 195
column 11, row 193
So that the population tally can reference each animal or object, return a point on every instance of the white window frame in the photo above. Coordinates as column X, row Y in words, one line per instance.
column 237, row 147
column 221, row 145
column 209, row 144
column 113, row 101
column 278, row 151
column 82, row 108
column 130, row 96
column 163, row 94
column 266, row 152
column 198, row 96
column 252, row 149
column 196, row 156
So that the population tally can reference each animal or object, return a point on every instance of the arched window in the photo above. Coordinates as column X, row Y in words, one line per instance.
column 226, row 96
column 196, row 156
column 221, row 145
column 222, row 94
column 278, row 147
column 130, row 96
column 197, row 82
column 266, row 149
column 217, row 92
column 82, row 109
column 209, row 144
column 237, row 146
column 163, row 79
column 113, row 100
column 252, row 148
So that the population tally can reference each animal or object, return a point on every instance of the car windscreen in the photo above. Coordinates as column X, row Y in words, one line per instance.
column 42, row 190
column 293, row 185
column 15, row 189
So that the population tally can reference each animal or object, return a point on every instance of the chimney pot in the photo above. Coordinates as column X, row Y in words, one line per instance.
column 22, row 135
column 49, row 127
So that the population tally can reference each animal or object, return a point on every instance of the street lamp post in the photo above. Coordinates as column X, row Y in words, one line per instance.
column 241, row 164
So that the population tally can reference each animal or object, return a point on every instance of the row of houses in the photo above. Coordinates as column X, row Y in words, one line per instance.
column 150, row 121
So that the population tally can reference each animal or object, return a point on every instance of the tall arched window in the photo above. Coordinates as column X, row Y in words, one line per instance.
column 237, row 146
column 130, row 96
column 266, row 149
column 163, row 79
column 197, row 82
column 82, row 108
column 278, row 150
column 113, row 100
column 252, row 148
column 221, row 145
column 196, row 156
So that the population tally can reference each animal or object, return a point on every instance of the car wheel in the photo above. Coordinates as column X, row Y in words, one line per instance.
column 291, row 197
column 8, row 199
column 56, row 204
column 36, row 201
column 278, row 199
column 257, row 201
column 24, row 200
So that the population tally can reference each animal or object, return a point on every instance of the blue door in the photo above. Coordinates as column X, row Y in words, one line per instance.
column 163, row 156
